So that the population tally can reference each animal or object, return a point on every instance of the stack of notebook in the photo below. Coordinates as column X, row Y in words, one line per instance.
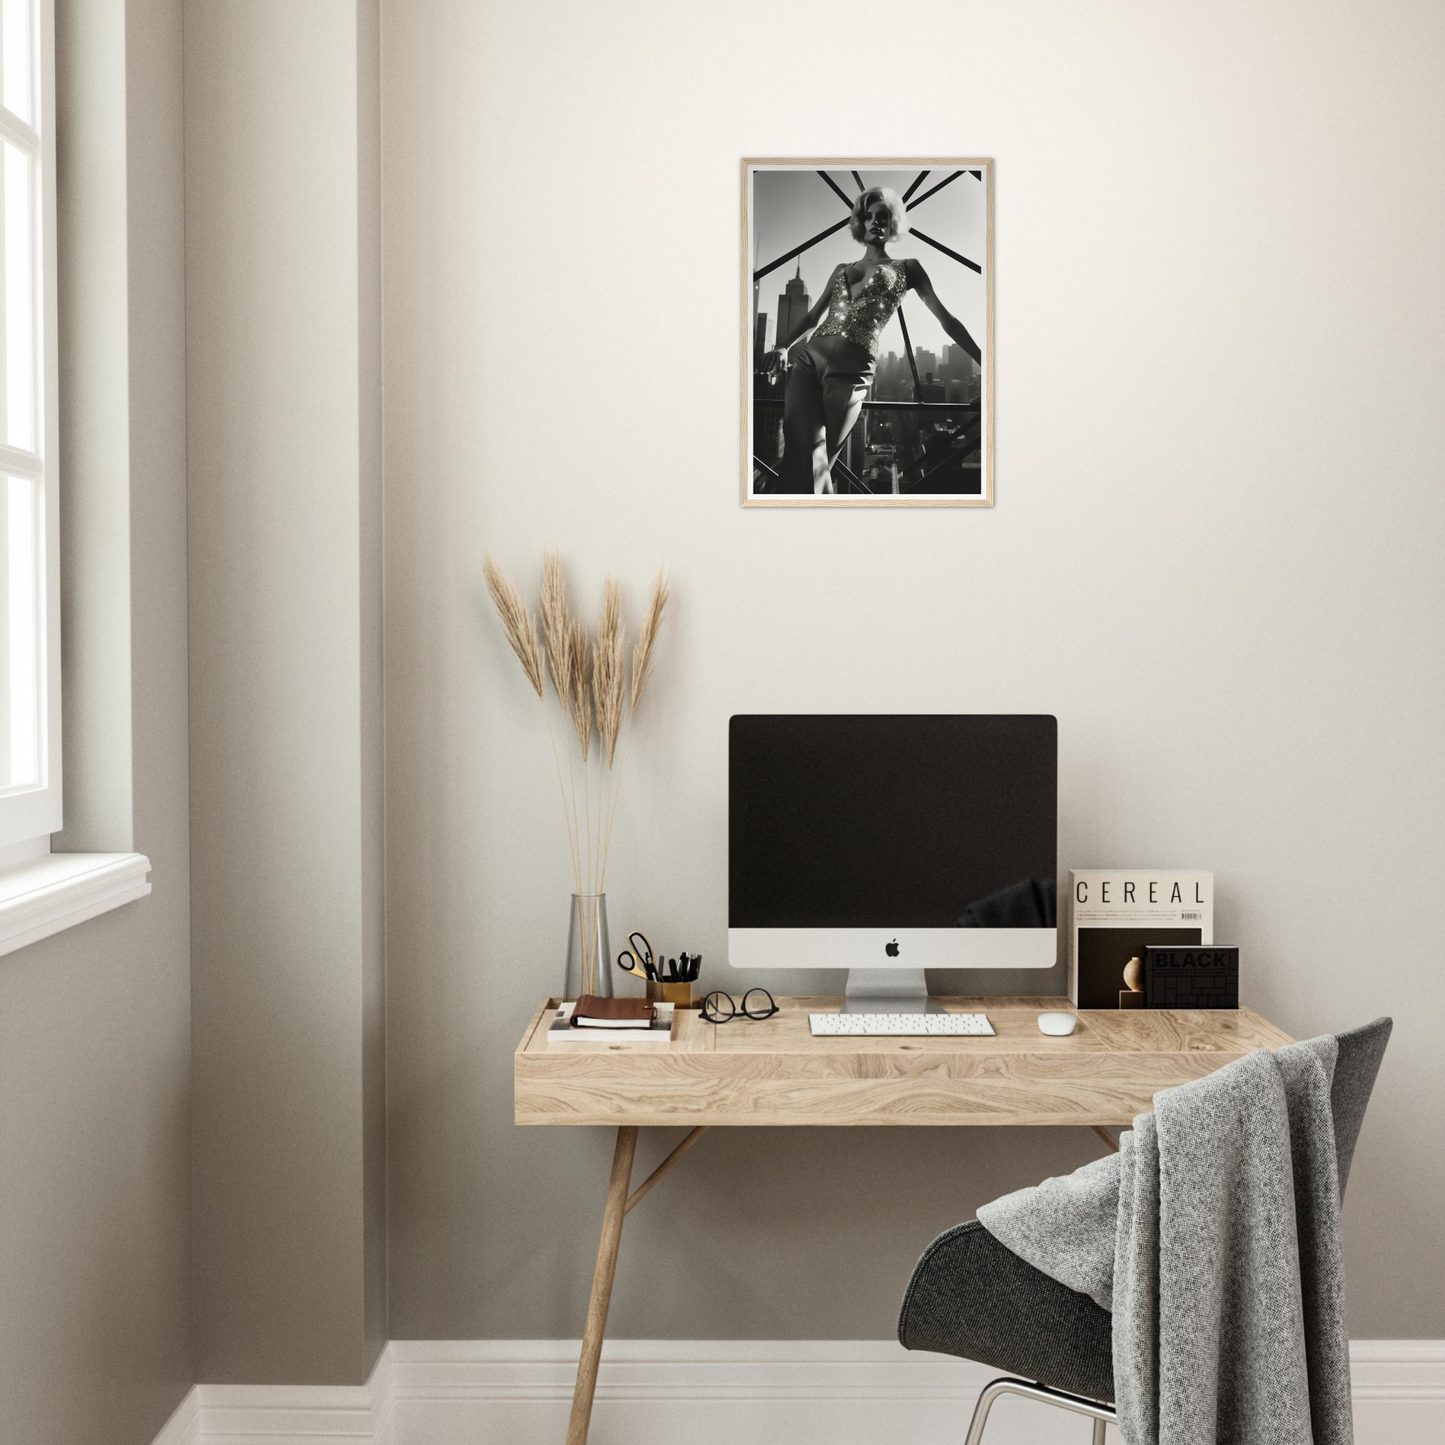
column 611, row 1021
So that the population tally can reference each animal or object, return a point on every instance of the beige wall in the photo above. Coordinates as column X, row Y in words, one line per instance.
column 1215, row 556
column 95, row 1340
column 369, row 638
column 282, row 315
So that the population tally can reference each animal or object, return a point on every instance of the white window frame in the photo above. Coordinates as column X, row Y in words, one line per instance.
column 42, row 892
column 29, row 815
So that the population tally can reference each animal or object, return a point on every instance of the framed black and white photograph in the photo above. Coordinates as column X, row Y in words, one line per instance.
column 867, row 333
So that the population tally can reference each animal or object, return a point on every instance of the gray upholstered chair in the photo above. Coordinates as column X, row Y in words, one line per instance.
column 972, row 1297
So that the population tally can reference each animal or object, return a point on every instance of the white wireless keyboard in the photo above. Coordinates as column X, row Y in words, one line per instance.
column 900, row 1025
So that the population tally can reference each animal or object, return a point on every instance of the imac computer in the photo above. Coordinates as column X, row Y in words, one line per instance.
column 890, row 844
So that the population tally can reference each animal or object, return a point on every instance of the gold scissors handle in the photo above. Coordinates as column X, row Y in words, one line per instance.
column 637, row 958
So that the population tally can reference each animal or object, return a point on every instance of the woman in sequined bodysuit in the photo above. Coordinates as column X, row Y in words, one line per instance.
column 830, row 373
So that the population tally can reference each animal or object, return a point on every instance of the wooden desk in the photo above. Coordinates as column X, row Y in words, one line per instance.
column 769, row 1072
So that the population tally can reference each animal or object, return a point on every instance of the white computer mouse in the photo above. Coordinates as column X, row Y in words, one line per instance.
column 1057, row 1023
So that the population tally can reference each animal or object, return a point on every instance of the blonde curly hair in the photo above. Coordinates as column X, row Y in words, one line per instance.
column 859, row 219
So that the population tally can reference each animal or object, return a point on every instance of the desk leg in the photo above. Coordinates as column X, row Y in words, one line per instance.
column 612, row 1216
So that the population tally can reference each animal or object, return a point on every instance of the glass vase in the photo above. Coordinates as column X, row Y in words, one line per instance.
column 589, row 952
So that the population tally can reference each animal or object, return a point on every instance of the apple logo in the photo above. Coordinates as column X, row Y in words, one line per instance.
column 891, row 949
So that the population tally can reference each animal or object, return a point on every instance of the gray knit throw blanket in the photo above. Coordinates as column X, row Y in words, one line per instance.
column 1214, row 1237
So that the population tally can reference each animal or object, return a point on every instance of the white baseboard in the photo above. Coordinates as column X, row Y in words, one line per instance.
column 715, row 1392
column 288, row 1414
column 184, row 1427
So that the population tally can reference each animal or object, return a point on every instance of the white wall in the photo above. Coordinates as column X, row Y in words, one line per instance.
column 1214, row 555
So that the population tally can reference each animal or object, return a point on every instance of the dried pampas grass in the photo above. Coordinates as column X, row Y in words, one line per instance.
column 516, row 623
column 555, row 634
column 609, row 670
column 590, row 684
column 579, row 685
column 647, row 636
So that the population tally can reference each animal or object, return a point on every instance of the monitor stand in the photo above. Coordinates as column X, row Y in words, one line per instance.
column 887, row 991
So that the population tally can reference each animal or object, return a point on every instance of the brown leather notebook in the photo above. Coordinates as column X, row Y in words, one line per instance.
column 593, row 1012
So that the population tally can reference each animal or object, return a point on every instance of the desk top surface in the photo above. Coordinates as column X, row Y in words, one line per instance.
column 772, row 1072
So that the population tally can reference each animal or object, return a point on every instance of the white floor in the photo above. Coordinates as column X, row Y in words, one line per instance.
column 714, row 1392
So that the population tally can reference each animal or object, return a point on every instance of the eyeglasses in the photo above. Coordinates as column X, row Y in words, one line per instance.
column 719, row 1008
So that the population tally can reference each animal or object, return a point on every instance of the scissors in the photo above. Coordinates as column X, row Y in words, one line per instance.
column 637, row 958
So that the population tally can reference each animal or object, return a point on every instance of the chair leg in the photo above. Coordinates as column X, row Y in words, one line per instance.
column 1100, row 1414
column 980, row 1411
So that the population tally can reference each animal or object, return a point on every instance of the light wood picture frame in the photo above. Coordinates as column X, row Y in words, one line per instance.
column 883, row 398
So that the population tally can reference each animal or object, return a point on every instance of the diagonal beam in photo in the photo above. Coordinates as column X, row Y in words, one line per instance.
column 948, row 461
column 858, row 485
column 905, row 487
column 934, row 190
column 837, row 189
column 939, row 246
column 859, row 179
column 943, row 466
column 917, row 181
column 798, row 250
column 912, row 365
column 969, row 438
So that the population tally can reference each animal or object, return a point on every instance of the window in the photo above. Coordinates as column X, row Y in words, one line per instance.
column 41, row 892
column 30, row 795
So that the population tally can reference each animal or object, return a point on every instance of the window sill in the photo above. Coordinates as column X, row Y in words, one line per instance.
column 59, row 890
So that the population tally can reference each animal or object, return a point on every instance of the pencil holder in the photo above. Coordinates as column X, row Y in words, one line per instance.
column 679, row 994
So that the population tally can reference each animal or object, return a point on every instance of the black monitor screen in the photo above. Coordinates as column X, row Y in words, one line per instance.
column 892, row 821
